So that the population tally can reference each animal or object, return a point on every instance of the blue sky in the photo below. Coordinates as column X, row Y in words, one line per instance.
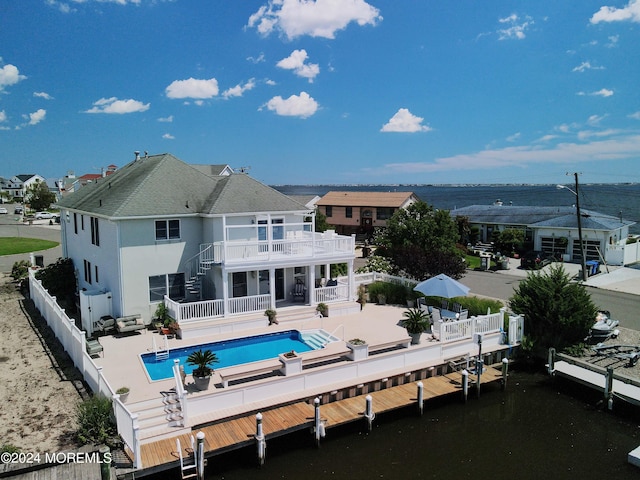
column 325, row 91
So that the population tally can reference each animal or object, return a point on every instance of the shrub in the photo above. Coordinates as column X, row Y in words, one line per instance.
column 20, row 270
column 394, row 293
column 95, row 424
column 59, row 279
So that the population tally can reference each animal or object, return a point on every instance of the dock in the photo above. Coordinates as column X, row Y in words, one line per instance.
column 239, row 432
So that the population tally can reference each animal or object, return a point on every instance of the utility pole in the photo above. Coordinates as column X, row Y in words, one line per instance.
column 583, row 260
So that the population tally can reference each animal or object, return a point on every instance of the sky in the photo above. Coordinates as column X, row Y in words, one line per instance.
column 325, row 91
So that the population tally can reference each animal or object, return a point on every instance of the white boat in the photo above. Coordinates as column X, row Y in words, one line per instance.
column 604, row 327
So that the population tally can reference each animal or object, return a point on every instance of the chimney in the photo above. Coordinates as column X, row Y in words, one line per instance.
column 137, row 154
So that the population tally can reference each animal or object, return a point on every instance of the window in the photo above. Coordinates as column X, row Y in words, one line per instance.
column 171, row 284
column 167, row 229
column 95, row 232
column 329, row 210
column 81, row 222
column 87, row 271
column 96, row 274
column 239, row 281
column 348, row 212
column 384, row 213
column 75, row 223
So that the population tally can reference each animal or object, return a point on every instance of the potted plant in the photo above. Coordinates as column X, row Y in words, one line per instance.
column 416, row 322
column 161, row 314
column 124, row 394
column 362, row 296
column 173, row 326
column 203, row 361
column 271, row 314
column 323, row 309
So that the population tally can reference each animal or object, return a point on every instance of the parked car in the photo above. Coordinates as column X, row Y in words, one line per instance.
column 536, row 259
column 43, row 215
column 3, row 210
column 18, row 210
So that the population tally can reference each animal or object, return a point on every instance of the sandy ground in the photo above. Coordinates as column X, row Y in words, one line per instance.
column 39, row 387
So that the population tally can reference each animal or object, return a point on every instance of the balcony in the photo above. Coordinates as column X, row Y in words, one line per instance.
column 300, row 245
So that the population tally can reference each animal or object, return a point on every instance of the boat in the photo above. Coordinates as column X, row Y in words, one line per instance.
column 604, row 327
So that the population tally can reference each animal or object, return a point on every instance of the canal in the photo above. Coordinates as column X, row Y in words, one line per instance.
column 537, row 428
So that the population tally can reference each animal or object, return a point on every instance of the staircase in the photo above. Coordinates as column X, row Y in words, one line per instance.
column 196, row 268
column 317, row 338
column 158, row 417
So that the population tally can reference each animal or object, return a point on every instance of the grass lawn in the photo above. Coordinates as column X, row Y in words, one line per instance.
column 14, row 245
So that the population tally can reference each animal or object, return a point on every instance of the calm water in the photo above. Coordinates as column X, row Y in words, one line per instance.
column 612, row 199
column 535, row 429
column 229, row 352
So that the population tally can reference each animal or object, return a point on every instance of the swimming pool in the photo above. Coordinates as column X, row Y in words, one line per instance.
column 237, row 351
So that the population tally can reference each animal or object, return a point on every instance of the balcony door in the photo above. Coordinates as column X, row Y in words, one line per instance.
column 279, row 286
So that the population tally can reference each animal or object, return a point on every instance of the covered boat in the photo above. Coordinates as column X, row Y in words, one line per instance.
column 604, row 327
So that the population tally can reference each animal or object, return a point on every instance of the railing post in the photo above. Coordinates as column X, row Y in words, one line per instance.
column 137, row 450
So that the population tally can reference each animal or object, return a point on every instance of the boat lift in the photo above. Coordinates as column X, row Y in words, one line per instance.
column 631, row 353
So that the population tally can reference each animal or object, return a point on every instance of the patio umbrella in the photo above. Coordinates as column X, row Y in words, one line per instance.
column 442, row 286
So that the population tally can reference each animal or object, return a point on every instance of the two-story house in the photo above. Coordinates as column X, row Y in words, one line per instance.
column 18, row 184
column 210, row 242
column 361, row 212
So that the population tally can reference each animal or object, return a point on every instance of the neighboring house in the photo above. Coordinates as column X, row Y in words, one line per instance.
column 214, row 245
column 70, row 183
column 17, row 185
column 362, row 212
column 555, row 229
column 308, row 201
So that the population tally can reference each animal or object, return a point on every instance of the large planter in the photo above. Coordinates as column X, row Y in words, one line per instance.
column 202, row 383
column 415, row 338
column 358, row 351
column 291, row 363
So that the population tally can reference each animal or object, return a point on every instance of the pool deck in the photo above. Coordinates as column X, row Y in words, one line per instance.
column 122, row 366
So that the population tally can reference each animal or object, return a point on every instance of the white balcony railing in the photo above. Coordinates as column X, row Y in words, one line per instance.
column 306, row 245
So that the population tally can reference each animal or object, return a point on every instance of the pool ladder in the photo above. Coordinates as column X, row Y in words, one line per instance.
column 161, row 353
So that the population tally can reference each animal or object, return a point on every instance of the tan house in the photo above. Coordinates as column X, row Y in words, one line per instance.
column 362, row 212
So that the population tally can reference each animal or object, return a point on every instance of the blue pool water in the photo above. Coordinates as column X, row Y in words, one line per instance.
column 229, row 352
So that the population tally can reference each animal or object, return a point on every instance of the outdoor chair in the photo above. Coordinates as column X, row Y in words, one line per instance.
column 94, row 347
column 457, row 307
column 299, row 292
column 435, row 328
column 445, row 305
column 464, row 314
column 435, row 315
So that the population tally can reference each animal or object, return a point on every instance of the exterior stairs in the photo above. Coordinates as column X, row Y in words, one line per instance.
column 159, row 417
column 196, row 269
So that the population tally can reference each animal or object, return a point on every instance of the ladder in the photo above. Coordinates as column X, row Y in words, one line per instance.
column 188, row 467
column 161, row 353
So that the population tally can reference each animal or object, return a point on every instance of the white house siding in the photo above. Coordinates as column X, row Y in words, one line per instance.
column 142, row 256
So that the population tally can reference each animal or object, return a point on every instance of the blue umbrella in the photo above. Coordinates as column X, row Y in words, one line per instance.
column 442, row 286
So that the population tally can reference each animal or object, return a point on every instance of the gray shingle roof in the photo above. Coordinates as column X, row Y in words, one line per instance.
column 161, row 185
column 560, row 217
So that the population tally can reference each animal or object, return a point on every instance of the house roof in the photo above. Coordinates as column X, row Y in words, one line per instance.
column 162, row 185
column 366, row 199
column 553, row 217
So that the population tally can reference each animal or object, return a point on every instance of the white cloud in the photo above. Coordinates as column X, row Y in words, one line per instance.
column 168, row 119
column 603, row 92
column 239, row 89
column 270, row 82
column 635, row 116
column 259, row 59
column 295, row 106
column 193, row 88
column 514, row 137
column 586, row 66
column 3, row 116
column 168, row 136
column 526, row 156
column 595, row 120
column 630, row 12
column 113, row 105
column 405, row 121
column 319, row 18
column 44, row 95
column 296, row 62
column 37, row 116
column 586, row 134
column 613, row 41
column 9, row 75
column 516, row 28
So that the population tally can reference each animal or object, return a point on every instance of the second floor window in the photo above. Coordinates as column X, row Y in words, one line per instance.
column 167, row 229
column 348, row 212
column 329, row 210
column 384, row 213
column 95, row 232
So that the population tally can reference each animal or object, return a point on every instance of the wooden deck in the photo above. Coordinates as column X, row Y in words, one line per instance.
column 239, row 432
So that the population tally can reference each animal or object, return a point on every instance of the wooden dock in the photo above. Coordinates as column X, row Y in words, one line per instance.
column 239, row 432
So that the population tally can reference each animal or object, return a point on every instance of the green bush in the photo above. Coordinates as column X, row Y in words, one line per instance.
column 95, row 424
column 20, row 269
column 394, row 293
column 475, row 305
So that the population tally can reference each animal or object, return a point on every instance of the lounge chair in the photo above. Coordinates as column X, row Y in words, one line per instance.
column 94, row 347
column 464, row 314
column 299, row 292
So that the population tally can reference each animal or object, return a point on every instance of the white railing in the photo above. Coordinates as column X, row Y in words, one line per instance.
column 254, row 303
column 180, row 391
column 371, row 277
column 465, row 329
column 203, row 309
column 337, row 293
column 308, row 245
column 516, row 329
column 73, row 341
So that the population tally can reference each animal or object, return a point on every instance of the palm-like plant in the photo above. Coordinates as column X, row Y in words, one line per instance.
column 416, row 321
column 202, row 360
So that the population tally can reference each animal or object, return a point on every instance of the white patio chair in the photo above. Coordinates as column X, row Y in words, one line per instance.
column 445, row 305
column 464, row 314
column 435, row 328
column 435, row 315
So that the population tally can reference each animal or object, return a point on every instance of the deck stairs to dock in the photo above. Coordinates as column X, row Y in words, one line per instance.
column 159, row 417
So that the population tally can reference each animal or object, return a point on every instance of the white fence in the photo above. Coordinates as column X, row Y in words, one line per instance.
column 73, row 341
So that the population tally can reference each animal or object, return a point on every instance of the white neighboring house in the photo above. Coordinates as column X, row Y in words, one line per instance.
column 18, row 184
column 555, row 230
column 214, row 242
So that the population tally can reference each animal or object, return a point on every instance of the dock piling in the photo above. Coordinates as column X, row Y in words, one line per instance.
column 551, row 368
column 199, row 453
column 465, row 385
column 420, row 397
column 318, row 425
column 505, row 372
column 608, row 389
column 368, row 412
column 260, row 441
